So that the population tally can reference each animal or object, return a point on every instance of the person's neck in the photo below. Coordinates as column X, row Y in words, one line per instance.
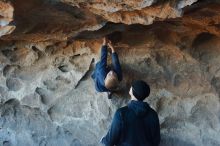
column 133, row 98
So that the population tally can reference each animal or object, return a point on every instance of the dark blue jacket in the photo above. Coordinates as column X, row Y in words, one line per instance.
column 101, row 70
column 134, row 125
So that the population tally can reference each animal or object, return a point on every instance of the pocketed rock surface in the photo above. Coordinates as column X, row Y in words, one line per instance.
column 48, row 98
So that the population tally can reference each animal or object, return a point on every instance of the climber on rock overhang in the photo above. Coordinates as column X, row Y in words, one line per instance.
column 106, row 78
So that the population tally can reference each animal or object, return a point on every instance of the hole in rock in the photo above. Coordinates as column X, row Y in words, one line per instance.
column 201, row 38
column 63, row 68
column 115, row 37
column 7, row 53
column 39, row 52
column 12, row 102
column 6, row 143
column 109, row 28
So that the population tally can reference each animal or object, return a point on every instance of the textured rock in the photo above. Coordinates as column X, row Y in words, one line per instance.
column 13, row 84
column 47, row 96
column 133, row 12
column 6, row 16
column 36, row 20
column 30, row 120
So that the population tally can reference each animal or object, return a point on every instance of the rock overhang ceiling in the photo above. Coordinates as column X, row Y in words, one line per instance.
column 60, row 20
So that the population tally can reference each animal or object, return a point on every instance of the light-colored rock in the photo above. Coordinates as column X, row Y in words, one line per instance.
column 47, row 96
column 6, row 16
column 35, row 127
column 183, row 3
column 6, row 10
column 134, row 12
column 5, row 30
column 21, row 56
column 13, row 84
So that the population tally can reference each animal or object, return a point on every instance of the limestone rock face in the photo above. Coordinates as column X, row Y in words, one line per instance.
column 47, row 95
column 6, row 16
column 38, row 20
column 134, row 12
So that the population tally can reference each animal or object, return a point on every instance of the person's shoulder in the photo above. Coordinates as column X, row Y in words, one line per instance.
column 120, row 111
column 153, row 112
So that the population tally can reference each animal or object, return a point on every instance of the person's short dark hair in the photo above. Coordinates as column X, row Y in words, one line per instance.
column 140, row 89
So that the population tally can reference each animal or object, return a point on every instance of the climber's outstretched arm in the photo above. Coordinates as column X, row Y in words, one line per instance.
column 115, row 62
column 104, row 53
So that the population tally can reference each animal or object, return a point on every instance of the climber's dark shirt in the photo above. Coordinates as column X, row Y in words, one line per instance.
column 134, row 125
column 101, row 70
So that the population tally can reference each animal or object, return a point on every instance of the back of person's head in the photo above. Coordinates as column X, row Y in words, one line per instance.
column 140, row 90
column 111, row 81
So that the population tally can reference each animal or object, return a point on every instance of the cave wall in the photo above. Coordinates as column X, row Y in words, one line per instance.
column 47, row 96
column 6, row 16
